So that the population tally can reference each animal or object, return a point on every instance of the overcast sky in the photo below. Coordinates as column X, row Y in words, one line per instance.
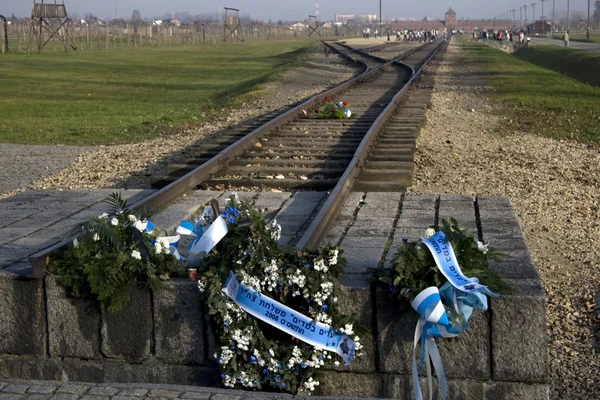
column 298, row 9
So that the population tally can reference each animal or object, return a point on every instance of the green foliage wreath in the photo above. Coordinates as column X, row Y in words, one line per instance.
column 253, row 354
column 414, row 269
column 111, row 254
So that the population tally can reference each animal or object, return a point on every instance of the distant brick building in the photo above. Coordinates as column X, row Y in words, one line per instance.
column 450, row 22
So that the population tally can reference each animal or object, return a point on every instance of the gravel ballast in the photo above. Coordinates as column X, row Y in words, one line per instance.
column 554, row 186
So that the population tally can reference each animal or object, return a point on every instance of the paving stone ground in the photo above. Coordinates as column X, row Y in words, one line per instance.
column 35, row 220
column 24, row 164
column 53, row 390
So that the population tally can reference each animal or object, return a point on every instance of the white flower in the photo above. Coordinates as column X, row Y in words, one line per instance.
column 336, row 363
column 320, row 266
column 136, row 254
column 139, row 225
column 103, row 215
column 96, row 237
column 75, row 242
column 114, row 221
column 157, row 247
column 131, row 218
column 429, row 233
column 482, row 247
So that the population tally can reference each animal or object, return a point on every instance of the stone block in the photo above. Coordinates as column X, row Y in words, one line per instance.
column 351, row 204
column 178, row 323
column 516, row 391
column 516, row 264
column 349, row 384
column 363, row 229
column 396, row 327
column 488, row 203
column 357, row 301
column 74, row 388
column 22, row 319
column 41, row 389
column 363, row 242
column 419, row 201
column 299, row 205
column 127, row 334
column 361, row 259
column 103, row 391
column 65, row 396
column 74, row 370
column 133, row 392
column 519, row 340
column 355, row 280
column 11, row 396
column 73, row 323
column 162, row 374
column 269, row 202
column 290, row 224
column 419, row 219
column 378, row 205
column 401, row 387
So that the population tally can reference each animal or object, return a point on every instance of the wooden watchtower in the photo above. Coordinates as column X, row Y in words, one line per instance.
column 49, row 21
column 232, row 26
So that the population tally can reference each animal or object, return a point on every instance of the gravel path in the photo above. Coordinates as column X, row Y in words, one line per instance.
column 554, row 188
column 132, row 165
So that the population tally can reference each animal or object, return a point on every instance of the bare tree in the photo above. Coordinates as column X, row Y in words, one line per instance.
column 136, row 15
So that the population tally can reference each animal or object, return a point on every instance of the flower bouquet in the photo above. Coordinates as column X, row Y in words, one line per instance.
column 432, row 274
column 112, row 252
column 271, row 307
column 332, row 110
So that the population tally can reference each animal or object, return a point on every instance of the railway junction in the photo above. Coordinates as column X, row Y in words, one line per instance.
column 354, row 183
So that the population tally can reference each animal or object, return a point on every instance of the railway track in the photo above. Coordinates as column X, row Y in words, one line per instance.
column 293, row 152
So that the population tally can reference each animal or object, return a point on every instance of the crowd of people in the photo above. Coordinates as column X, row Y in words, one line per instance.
column 420, row 35
column 508, row 35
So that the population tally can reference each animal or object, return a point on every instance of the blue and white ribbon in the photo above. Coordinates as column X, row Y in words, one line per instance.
column 447, row 263
column 204, row 240
column 288, row 320
column 462, row 293
column 187, row 228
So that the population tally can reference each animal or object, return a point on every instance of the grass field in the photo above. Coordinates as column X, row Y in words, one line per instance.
column 128, row 95
column 578, row 64
column 581, row 37
column 537, row 99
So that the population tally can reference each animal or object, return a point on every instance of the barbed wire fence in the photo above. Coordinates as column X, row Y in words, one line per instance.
column 95, row 35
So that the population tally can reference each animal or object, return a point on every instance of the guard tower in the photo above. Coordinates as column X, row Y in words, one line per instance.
column 313, row 29
column 49, row 21
column 232, row 26
column 450, row 17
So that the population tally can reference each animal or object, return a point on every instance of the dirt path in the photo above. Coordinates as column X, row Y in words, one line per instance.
column 554, row 188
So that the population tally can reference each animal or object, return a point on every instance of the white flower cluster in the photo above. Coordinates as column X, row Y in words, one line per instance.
column 333, row 257
column 226, row 355
column 429, row 233
column 136, row 254
column 242, row 339
column 324, row 318
column 235, row 197
column 326, row 291
column 357, row 345
column 347, row 329
column 250, row 281
column 202, row 285
column 319, row 265
column 162, row 245
column 310, row 384
column 272, row 279
column 482, row 247
column 296, row 357
column 298, row 278
column 275, row 229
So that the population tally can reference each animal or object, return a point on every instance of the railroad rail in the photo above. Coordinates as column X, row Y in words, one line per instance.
column 314, row 154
